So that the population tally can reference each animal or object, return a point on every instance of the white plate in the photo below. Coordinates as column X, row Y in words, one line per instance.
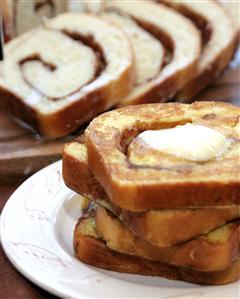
column 36, row 234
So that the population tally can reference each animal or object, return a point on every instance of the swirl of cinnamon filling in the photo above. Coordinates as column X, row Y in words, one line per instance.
column 160, row 72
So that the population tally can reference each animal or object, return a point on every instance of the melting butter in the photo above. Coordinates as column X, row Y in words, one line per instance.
column 190, row 141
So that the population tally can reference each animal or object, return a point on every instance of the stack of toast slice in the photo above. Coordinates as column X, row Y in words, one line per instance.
column 178, row 222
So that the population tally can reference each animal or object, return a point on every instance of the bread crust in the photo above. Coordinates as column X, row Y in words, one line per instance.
column 210, row 252
column 94, row 252
column 76, row 172
column 139, row 188
column 157, row 227
column 70, row 118
column 160, row 228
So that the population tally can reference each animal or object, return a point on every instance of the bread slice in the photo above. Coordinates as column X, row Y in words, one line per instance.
column 233, row 8
column 20, row 16
column 182, row 39
column 220, row 41
column 210, row 252
column 91, row 249
column 55, row 92
column 148, row 51
column 139, row 187
column 157, row 227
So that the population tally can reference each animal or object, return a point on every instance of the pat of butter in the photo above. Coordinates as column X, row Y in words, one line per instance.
column 189, row 141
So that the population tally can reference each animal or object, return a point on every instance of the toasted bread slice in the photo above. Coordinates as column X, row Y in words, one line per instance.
column 214, row 251
column 157, row 227
column 220, row 41
column 139, row 187
column 55, row 92
column 91, row 249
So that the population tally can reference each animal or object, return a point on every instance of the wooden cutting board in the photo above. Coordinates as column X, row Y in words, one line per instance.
column 23, row 152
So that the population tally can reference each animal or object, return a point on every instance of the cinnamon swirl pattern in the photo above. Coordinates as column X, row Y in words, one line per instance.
column 218, row 29
column 63, row 74
column 180, row 44
column 219, row 41
column 150, row 180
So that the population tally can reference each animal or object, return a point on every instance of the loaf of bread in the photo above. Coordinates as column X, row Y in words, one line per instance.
column 61, row 75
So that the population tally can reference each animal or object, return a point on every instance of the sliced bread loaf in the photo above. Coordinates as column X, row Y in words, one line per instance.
column 57, row 77
column 220, row 41
column 182, row 40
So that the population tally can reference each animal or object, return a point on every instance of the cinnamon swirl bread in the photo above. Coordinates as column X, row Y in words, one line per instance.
column 219, row 38
column 210, row 252
column 182, row 42
column 59, row 76
column 158, row 227
column 155, row 193
column 158, row 81
column 203, row 138
column 91, row 248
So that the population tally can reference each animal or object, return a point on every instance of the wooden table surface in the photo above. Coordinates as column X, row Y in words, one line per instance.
column 12, row 284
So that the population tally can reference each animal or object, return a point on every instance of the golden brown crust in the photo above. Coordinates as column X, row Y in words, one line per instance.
column 63, row 121
column 210, row 252
column 170, row 227
column 157, row 227
column 140, row 188
column 209, row 74
column 94, row 252
column 76, row 172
